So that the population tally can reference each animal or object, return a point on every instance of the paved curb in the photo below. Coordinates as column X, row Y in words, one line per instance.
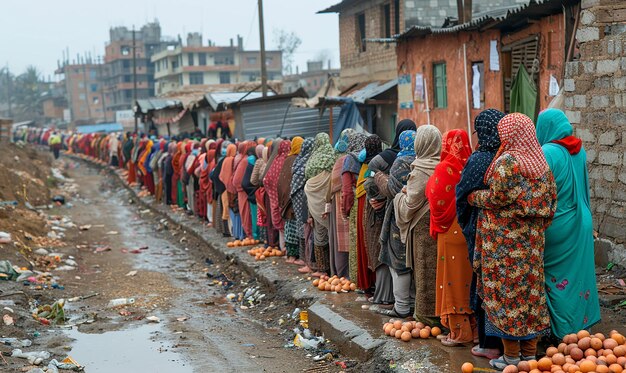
column 351, row 340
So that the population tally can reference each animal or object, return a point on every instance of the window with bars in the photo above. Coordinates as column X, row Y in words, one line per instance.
column 196, row 78
column 386, row 21
column 190, row 59
column 441, row 86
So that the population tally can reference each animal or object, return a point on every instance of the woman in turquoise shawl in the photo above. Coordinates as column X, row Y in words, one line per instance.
column 569, row 250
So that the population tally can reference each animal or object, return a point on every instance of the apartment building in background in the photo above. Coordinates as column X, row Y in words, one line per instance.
column 195, row 66
column 118, row 58
column 311, row 80
column 82, row 85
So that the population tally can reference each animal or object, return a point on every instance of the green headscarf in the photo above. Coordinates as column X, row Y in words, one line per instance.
column 323, row 157
column 553, row 124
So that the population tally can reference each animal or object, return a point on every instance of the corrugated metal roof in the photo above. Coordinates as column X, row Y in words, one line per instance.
column 500, row 18
column 145, row 105
column 369, row 90
column 218, row 101
column 103, row 127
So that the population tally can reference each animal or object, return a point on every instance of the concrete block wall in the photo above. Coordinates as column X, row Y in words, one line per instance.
column 595, row 103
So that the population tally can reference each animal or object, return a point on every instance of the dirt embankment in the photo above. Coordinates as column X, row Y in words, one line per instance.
column 25, row 177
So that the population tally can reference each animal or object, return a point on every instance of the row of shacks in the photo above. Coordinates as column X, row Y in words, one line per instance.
column 250, row 115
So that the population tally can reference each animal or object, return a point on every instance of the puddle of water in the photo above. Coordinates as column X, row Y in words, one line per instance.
column 131, row 350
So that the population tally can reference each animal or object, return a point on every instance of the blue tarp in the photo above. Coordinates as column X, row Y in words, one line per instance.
column 104, row 127
column 349, row 117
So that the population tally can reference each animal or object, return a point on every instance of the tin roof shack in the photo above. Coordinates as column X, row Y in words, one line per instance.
column 275, row 115
column 438, row 67
column 163, row 116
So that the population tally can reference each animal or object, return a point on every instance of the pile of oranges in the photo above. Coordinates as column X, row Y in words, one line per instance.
column 262, row 253
column 406, row 331
column 578, row 353
column 334, row 283
column 244, row 242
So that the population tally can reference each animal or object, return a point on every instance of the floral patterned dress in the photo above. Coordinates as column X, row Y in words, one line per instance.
column 509, row 250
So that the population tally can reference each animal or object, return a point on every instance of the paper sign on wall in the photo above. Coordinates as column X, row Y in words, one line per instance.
column 554, row 86
column 419, row 87
column 494, row 57
column 476, row 87
column 405, row 92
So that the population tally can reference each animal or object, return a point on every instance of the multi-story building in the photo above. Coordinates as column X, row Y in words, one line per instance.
column 311, row 80
column 83, row 91
column 118, row 77
column 195, row 66
column 363, row 24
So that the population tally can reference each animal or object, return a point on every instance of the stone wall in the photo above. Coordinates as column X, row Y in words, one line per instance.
column 595, row 103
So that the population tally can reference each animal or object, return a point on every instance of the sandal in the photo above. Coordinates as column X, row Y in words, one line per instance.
column 489, row 353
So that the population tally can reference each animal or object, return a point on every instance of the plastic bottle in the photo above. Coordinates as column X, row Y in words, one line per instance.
column 120, row 302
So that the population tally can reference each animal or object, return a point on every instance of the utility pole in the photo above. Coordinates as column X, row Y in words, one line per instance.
column 135, row 78
column 263, row 60
column 9, row 98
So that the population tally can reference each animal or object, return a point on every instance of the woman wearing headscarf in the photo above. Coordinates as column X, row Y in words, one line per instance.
column 242, row 196
column 339, row 226
column 299, row 202
column 393, row 251
column 454, row 272
column 273, row 235
column 472, row 178
column 168, row 172
column 373, row 221
column 142, row 163
column 270, row 181
column 353, row 175
column 250, row 190
column 206, row 185
column 182, row 185
column 176, row 185
column 412, row 213
column 221, row 212
column 228, row 200
column 516, row 210
column 157, row 173
column 285, row 204
column 381, row 164
column 192, row 182
column 317, row 173
column 257, row 181
column 569, row 249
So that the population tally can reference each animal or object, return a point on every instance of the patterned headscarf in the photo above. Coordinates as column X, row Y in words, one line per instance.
column 441, row 187
column 323, row 157
column 357, row 143
column 259, row 151
column 407, row 143
column 373, row 146
column 472, row 178
column 518, row 139
column 486, row 126
column 344, row 140
column 296, row 144
column 298, row 180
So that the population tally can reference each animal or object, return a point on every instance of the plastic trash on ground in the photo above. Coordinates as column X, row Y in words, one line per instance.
column 33, row 357
column 307, row 344
column 120, row 302
column 14, row 342
column 7, row 272
column 51, row 313
column 5, row 237
column 67, row 364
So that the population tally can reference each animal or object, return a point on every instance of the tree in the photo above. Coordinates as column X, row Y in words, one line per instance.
column 27, row 93
column 287, row 43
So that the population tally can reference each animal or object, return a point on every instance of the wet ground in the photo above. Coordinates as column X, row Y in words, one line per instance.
column 129, row 253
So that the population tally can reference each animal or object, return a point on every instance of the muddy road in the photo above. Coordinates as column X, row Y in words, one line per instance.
column 123, row 251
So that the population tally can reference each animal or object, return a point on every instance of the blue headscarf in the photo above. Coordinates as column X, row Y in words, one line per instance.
column 407, row 143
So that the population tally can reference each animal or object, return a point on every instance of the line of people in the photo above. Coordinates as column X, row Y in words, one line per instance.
column 493, row 244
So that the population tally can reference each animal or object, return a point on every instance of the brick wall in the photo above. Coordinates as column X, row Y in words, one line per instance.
column 595, row 102
column 378, row 62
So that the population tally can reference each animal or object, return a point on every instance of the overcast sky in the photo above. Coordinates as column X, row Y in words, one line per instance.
column 35, row 32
